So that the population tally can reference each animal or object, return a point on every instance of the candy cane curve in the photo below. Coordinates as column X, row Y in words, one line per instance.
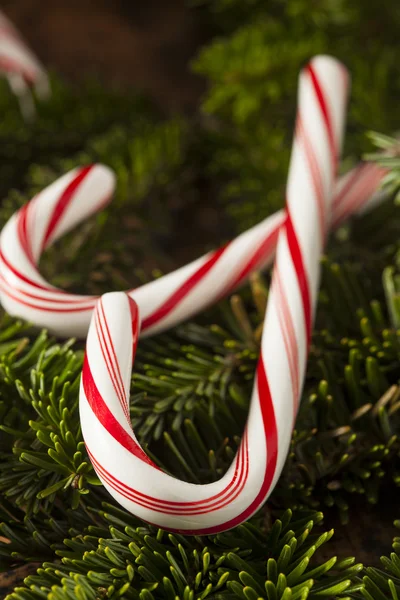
column 164, row 302
column 125, row 470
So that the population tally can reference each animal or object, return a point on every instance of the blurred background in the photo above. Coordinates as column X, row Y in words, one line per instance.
column 129, row 43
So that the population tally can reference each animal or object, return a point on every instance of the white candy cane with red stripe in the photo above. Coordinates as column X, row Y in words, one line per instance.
column 125, row 470
column 20, row 66
column 164, row 302
column 118, row 459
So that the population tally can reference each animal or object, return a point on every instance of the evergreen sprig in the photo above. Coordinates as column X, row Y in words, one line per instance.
column 124, row 560
column 384, row 584
column 63, row 126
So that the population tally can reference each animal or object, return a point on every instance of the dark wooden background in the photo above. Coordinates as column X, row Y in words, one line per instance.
column 130, row 42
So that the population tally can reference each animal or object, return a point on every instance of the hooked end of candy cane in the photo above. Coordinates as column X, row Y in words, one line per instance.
column 115, row 323
column 106, row 180
column 73, row 198
column 111, row 347
column 117, row 303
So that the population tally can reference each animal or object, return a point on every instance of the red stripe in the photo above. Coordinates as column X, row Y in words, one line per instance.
column 107, row 419
column 22, row 235
column 179, row 507
column 103, row 348
column 315, row 176
column 27, row 231
column 289, row 336
column 82, row 300
column 271, row 440
column 108, row 344
column 264, row 250
column 21, row 275
column 4, row 288
column 12, row 66
column 22, row 230
column 63, row 202
column 325, row 113
column 222, row 495
column 187, row 508
column 65, row 297
column 360, row 195
column 134, row 310
column 352, row 178
column 237, row 477
column 301, row 274
column 183, row 290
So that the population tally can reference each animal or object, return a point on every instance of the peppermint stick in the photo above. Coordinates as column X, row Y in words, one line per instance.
column 121, row 464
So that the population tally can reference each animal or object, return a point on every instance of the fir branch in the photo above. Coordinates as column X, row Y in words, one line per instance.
column 62, row 127
column 384, row 584
column 141, row 562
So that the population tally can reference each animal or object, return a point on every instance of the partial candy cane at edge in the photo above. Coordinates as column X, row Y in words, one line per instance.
column 21, row 67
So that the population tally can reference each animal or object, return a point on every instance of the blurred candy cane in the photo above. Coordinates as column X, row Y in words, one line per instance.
column 164, row 302
column 21, row 67
column 125, row 470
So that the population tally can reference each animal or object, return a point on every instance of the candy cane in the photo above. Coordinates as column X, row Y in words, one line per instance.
column 121, row 464
column 164, row 302
column 20, row 66
column 125, row 470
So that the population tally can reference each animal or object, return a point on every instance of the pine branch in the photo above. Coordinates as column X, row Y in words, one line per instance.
column 63, row 126
column 384, row 584
column 142, row 562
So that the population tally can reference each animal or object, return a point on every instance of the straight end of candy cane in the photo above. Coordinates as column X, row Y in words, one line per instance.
column 331, row 81
column 327, row 61
column 331, row 68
